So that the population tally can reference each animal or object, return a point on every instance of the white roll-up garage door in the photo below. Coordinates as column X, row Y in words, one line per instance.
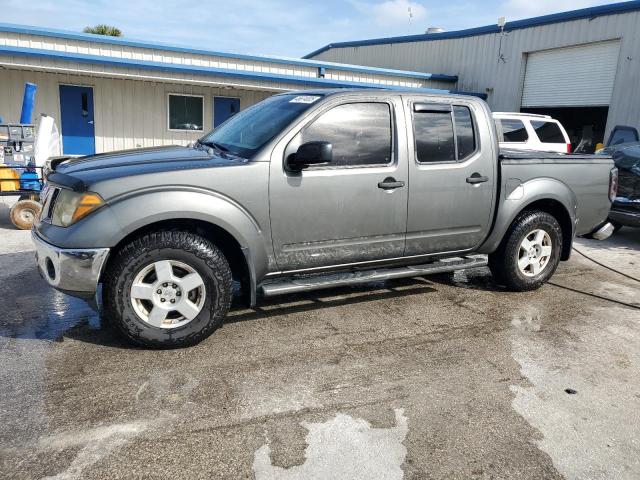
column 571, row 77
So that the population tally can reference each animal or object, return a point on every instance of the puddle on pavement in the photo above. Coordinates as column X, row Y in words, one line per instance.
column 50, row 321
column 343, row 448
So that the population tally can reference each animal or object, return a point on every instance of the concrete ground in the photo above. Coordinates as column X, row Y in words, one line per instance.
column 442, row 377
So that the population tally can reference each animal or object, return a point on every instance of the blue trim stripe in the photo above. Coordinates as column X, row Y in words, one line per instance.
column 88, row 37
column 591, row 12
column 221, row 72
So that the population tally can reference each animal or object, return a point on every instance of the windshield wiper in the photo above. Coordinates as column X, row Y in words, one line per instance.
column 224, row 151
column 215, row 145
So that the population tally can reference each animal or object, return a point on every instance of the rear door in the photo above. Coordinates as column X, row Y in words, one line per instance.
column 452, row 175
column 343, row 212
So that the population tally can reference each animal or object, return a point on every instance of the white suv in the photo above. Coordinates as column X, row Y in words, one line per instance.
column 527, row 131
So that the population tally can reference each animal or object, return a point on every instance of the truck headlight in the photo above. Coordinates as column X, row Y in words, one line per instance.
column 71, row 206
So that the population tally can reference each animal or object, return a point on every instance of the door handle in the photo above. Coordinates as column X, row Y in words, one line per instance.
column 390, row 183
column 477, row 178
column 90, row 122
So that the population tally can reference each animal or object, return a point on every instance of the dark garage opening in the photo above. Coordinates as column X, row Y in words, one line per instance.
column 583, row 124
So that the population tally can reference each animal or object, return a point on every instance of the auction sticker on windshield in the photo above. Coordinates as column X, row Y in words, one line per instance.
column 304, row 99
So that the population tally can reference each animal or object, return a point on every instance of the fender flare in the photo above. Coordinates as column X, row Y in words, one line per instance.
column 517, row 196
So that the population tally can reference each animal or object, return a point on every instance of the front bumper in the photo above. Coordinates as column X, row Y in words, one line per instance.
column 72, row 271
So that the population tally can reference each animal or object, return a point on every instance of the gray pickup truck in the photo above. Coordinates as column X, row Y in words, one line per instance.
column 309, row 190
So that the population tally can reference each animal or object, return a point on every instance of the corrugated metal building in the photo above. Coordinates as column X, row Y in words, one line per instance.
column 113, row 93
column 583, row 66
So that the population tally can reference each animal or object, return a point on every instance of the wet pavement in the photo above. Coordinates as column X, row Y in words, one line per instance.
column 441, row 377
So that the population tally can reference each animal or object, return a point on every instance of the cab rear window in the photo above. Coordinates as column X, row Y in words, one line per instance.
column 548, row 132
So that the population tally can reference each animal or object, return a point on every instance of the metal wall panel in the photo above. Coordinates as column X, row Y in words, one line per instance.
column 571, row 77
column 495, row 63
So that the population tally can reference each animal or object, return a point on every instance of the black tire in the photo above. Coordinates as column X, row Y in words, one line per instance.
column 186, row 247
column 503, row 263
column 24, row 213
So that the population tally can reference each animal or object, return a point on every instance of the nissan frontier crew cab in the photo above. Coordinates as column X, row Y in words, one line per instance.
column 309, row 190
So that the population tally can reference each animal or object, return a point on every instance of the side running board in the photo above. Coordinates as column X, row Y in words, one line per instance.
column 272, row 288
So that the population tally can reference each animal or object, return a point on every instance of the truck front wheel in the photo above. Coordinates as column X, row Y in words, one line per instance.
column 530, row 252
column 167, row 289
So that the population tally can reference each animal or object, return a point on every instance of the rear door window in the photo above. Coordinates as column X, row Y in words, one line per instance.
column 433, row 132
column 513, row 130
column 465, row 133
column 548, row 132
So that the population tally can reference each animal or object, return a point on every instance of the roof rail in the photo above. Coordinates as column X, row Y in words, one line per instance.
column 522, row 114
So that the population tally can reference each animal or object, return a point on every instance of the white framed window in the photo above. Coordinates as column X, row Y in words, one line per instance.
column 185, row 112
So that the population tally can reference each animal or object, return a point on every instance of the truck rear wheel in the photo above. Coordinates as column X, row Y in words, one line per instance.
column 530, row 252
column 167, row 289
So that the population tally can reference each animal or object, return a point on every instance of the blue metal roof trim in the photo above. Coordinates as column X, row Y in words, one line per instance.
column 170, row 67
column 88, row 37
column 590, row 12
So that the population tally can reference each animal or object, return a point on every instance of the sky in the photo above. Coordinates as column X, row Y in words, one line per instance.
column 289, row 28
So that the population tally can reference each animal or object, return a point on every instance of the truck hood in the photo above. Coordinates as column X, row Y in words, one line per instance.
column 160, row 164
column 141, row 160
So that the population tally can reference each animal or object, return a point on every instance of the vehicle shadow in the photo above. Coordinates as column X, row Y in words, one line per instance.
column 107, row 336
column 472, row 279
column 329, row 298
column 34, row 311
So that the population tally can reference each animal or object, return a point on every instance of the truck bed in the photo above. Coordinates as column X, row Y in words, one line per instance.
column 589, row 183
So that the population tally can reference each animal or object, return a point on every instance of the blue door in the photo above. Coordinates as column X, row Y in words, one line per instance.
column 224, row 108
column 76, row 110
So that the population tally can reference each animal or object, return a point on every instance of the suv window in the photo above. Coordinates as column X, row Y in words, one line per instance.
column 360, row 133
column 465, row 135
column 433, row 132
column 548, row 132
column 513, row 130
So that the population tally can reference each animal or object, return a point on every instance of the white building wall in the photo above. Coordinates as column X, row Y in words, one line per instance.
column 270, row 66
column 476, row 60
column 128, row 113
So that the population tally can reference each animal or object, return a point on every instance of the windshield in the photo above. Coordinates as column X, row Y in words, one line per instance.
column 248, row 131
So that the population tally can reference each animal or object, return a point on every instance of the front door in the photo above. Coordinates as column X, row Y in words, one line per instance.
column 452, row 176
column 224, row 108
column 76, row 110
column 344, row 212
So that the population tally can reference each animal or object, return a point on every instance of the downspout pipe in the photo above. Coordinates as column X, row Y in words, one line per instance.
column 28, row 102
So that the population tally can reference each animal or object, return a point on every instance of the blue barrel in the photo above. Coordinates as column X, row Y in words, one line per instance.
column 28, row 102
column 29, row 180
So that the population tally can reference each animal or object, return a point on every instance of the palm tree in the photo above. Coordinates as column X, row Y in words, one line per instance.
column 103, row 30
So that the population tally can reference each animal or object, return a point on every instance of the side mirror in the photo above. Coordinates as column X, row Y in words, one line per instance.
column 310, row 153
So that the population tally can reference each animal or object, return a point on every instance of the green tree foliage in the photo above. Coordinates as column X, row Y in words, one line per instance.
column 103, row 30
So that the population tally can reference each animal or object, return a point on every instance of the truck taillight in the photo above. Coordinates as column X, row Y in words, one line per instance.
column 613, row 184
column 568, row 148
